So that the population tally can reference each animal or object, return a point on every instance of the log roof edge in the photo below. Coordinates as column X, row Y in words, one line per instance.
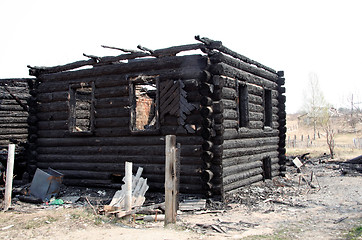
column 94, row 61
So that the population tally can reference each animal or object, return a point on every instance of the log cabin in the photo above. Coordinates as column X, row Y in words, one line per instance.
column 226, row 110
column 14, row 127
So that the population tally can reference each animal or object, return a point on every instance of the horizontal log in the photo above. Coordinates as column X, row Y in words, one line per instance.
column 9, row 120
column 241, row 175
column 14, row 125
column 19, row 137
column 186, row 150
column 230, row 114
column 13, row 131
column 53, row 106
column 234, row 169
column 53, row 96
column 227, row 70
column 117, row 91
column 231, row 124
column 238, row 152
column 35, row 71
column 53, row 125
column 228, row 188
column 112, row 122
column 114, row 158
column 217, row 57
column 234, row 161
column 149, row 168
column 99, row 81
column 52, row 116
column 250, row 142
column 13, row 114
column 120, row 102
column 141, row 66
column 154, row 186
column 14, row 107
column 244, row 133
column 112, row 112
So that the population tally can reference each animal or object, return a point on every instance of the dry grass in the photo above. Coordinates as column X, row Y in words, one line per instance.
column 344, row 149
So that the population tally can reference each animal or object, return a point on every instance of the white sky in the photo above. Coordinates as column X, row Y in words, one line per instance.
column 298, row 37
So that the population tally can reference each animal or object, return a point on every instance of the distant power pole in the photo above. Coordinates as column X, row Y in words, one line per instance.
column 352, row 107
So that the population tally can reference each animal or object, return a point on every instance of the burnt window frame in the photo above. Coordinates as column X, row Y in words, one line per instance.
column 139, row 80
column 72, row 109
column 268, row 108
column 243, row 106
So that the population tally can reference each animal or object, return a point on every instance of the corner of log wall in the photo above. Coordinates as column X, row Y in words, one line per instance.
column 282, row 122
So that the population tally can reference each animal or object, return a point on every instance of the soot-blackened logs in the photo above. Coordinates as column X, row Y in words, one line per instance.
column 140, row 67
column 114, row 158
column 52, row 116
column 53, row 97
column 224, row 69
column 53, row 106
column 217, row 57
column 235, row 185
column 246, row 133
column 8, row 120
column 242, row 175
column 53, row 125
column 112, row 102
column 250, row 142
column 192, row 151
column 231, row 170
column 189, row 170
column 230, row 162
column 229, row 153
column 111, row 92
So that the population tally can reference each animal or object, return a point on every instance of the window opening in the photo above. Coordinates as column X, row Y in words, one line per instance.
column 243, row 106
column 268, row 108
column 81, row 119
column 144, row 114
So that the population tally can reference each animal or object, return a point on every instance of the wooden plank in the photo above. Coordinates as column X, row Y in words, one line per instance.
column 128, row 181
column 9, row 176
column 170, row 180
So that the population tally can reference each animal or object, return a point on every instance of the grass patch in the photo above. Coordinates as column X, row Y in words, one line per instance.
column 355, row 233
column 282, row 234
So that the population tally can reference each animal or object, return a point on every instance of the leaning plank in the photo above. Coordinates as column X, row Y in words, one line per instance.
column 9, row 176
column 139, row 188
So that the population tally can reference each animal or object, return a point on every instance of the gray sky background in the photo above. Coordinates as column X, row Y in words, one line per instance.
column 299, row 37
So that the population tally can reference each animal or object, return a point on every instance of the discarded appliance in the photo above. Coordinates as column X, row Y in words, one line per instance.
column 46, row 184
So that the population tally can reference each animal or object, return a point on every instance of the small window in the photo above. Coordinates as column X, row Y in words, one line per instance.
column 81, row 108
column 243, row 106
column 144, row 104
column 268, row 108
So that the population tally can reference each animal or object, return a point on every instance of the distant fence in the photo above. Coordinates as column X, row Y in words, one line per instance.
column 357, row 142
column 308, row 141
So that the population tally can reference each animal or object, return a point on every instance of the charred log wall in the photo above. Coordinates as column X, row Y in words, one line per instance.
column 96, row 157
column 246, row 146
column 14, row 114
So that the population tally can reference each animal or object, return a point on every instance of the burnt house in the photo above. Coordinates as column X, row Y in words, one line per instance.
column 227, row 111
column 14, row 113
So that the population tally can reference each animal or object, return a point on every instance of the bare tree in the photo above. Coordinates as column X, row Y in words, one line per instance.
column 316, row 106
column 330, row 134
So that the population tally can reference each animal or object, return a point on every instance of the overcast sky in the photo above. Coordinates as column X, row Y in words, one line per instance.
column 299, row 37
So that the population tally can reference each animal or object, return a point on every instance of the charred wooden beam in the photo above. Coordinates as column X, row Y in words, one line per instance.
column 218, row 46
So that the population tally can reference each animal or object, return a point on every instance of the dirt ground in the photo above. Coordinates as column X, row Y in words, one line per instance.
column 282, row 208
